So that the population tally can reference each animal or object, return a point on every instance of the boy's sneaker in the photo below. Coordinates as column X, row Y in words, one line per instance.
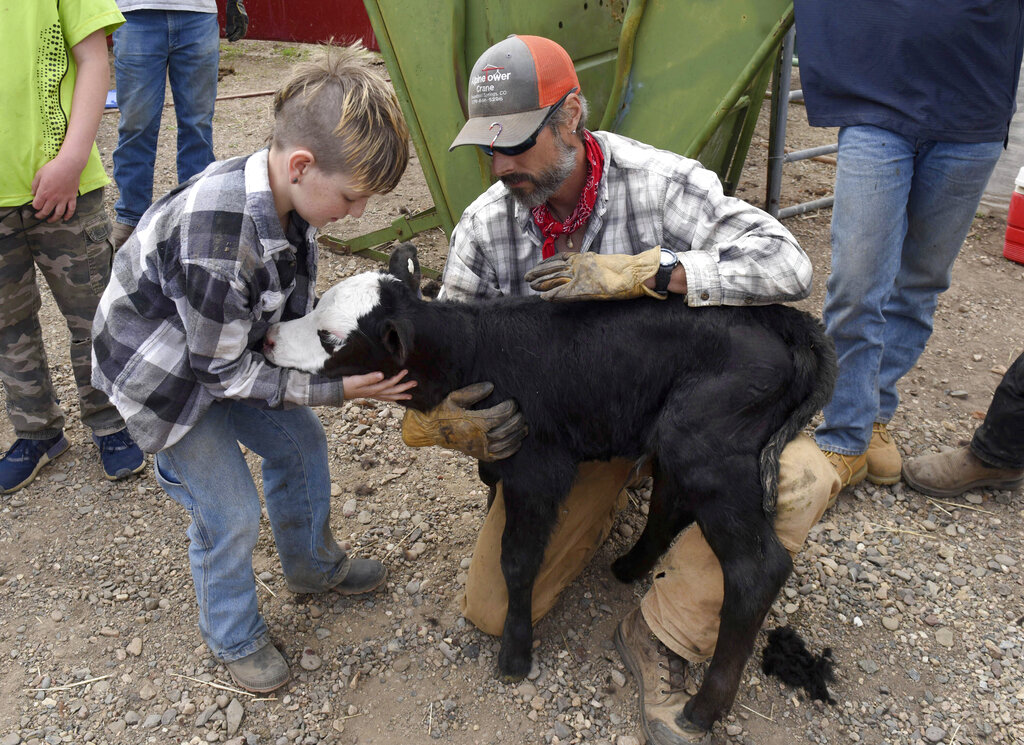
column 263, row 671
column 364, row 575
column 119, row 454
column 24, row 460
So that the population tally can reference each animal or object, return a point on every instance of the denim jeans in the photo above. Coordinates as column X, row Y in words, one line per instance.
column 151, row 47
column 902, row 210
column 206, row 472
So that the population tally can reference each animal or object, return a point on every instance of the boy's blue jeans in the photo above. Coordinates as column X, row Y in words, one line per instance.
column 206, row 472
column 902, row 210
column 154, row 46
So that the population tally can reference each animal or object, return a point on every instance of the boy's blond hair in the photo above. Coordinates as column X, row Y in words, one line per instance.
column 347, row 115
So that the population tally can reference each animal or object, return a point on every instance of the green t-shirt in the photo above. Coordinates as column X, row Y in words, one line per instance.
column 36, row 37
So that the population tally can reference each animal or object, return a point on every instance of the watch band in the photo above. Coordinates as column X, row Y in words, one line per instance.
column 664, row 274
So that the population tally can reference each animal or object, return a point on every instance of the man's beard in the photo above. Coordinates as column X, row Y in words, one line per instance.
column 547, row 182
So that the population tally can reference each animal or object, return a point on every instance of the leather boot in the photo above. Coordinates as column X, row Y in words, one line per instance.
column 851, row 469
column 953, row 472
column 364, row 575
column 263, row 671
column 122, row 232
column 884, row 459
column 661, row 677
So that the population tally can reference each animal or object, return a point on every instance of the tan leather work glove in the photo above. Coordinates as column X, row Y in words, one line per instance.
column 486, row 434
column 590, row 276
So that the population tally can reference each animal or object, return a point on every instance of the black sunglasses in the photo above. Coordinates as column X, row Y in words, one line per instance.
column 522, row 147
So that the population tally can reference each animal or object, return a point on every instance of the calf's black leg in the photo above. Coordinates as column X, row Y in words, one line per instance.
column 530, row 515
column 754, row 567
column 666, row 518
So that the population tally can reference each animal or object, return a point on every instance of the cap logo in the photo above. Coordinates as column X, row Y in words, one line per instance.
column 489, row 74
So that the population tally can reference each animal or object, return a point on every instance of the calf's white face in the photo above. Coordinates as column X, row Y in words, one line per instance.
column 300, row 344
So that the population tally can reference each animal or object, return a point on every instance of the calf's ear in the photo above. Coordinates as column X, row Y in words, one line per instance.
column 405, row 265
column 397, row 337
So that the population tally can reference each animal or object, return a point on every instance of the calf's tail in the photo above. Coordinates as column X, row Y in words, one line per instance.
column 814, row 362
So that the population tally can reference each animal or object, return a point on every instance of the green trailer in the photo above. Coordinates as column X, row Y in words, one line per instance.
column 683, row 75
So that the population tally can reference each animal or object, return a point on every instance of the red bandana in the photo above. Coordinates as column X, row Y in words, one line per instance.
column 550, row 228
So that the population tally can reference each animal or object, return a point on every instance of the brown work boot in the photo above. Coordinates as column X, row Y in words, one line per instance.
column 263, row 671
column 851, row 469
column 121, row 232
column 953, row 472
column 884, row 460
column 660, row 675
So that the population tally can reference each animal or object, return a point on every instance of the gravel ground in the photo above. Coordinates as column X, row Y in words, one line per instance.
column 919, row 599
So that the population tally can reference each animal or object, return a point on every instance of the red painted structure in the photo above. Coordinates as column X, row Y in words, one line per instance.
column 308, row 21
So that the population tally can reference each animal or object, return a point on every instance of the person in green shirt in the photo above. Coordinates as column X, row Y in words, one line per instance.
column 52, row 217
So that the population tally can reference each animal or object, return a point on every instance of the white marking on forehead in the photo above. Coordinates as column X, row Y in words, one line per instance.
column 341, row 307
column 411, row 266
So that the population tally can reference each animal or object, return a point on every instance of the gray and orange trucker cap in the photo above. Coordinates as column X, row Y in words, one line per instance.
column 511, row 88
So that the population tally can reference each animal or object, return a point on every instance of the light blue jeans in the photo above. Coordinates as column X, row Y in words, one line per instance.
column 151, row 47
column 207, row 474
column 902, row 210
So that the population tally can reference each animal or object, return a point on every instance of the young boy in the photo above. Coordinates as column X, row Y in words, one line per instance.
column 52, row 217
column 179, row 334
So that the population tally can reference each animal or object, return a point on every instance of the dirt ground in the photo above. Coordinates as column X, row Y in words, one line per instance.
column 920, row 600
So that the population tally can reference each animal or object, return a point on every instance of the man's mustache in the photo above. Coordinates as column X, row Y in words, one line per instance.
column 515, row 178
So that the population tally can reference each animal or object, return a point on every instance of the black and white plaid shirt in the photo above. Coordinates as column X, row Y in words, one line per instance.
column 734, row 253
column 192, row 294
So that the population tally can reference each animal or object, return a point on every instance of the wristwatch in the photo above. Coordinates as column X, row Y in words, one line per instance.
column 669, row 260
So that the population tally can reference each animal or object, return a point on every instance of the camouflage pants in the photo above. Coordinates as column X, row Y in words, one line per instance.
column 75, row 258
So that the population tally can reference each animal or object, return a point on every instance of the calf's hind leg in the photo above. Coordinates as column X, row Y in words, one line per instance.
column 666, row 518
column 754, row 568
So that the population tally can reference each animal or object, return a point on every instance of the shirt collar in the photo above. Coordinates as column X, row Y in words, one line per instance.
column 522, row 214
column 259, row 203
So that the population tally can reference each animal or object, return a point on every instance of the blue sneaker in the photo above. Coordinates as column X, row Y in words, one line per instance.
column 119, row 454
column 24, row 460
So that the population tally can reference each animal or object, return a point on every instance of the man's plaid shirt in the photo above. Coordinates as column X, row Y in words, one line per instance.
column 734, row 253
column 192, row 294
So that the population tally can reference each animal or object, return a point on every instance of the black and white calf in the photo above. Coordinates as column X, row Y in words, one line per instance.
column 709, row 395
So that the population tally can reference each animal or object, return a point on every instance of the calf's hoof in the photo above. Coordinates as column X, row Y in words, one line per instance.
column 626, row 570
column 694, row 718
column 512, row 668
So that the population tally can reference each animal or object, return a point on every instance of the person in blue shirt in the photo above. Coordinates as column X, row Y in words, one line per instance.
column 923, row 94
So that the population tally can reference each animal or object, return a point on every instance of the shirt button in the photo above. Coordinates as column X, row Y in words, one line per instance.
column 704, row 295
column 748, row 300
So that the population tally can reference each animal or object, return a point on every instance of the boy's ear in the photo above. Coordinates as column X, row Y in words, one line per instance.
column 299, row 162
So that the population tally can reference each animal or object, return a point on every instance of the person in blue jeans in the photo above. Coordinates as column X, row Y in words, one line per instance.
column 178, row 347
column 165, row 40
column 923, row 94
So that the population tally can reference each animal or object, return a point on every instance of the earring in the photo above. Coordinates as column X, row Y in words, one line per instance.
column 295, row 181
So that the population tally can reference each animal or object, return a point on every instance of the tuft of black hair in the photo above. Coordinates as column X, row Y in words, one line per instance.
column 786, row 656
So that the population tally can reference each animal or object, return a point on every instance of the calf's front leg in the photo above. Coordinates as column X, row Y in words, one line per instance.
column 529, row 520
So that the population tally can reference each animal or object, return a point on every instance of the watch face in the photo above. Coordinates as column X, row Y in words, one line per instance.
column 668, row 258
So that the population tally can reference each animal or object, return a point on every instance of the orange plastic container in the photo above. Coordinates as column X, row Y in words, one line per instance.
column 1014, row 246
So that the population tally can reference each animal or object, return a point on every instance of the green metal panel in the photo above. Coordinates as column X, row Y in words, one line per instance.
column 685, row 75
column 698, row 75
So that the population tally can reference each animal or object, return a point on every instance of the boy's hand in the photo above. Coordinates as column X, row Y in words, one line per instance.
column 374, row 385
column 55, row 190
